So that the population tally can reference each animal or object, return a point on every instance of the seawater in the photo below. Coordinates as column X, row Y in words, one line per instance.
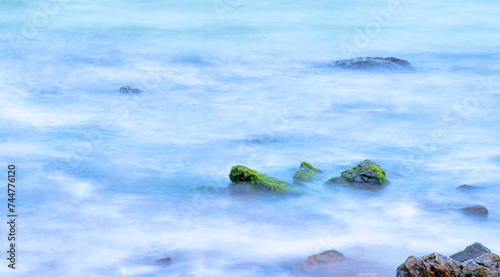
column 109, row 183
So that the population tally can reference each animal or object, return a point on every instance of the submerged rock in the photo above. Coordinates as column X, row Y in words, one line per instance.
column 467, row 188
column 306, row 173
column 164, row 261
column 390, row 63
column 321, row 262
column 243, row 175
column 129, row 89
column 364, row 175
column 436, row 265
column 470, row 252
column 475, row 211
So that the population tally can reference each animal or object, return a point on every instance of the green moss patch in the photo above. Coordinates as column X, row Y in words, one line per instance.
column 243, row 175
column 365, row 174
column 306, row 173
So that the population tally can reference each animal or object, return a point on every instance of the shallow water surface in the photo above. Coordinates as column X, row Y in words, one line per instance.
column 109, row 183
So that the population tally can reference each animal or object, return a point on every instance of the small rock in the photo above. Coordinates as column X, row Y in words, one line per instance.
column 165, row 261
column 466, row 188
column 470, row 252
column 364, row 175
column 129, row 89
column 321, row 262
column 389, row 63
column 475, row 211
column 243, row 175
column 306, row 173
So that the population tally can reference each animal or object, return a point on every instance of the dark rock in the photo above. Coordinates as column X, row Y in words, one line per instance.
column 364, row 175
column 125, row 89
column 306, row 173
column 485, row 265
column 321, row 262
column 470, row 252
column 436, row 265
column 389, row 63
column 431, row 265
column 208, row 190
column 129, row 89
column 475, row 211
column 243, row 175
column 164, row 261
column 467, row 188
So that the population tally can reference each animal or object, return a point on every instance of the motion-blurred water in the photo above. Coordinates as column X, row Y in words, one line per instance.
column 111, row 182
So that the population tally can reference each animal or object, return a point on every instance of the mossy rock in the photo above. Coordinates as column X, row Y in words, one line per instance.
column 365, row 174
column 306, row 173
column 243, row 175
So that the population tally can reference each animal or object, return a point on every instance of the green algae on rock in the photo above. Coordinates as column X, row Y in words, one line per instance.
column 243, row 175
column 365, row 174
column 306, row 173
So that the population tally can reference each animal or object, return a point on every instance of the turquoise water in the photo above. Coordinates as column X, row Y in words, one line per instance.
column 109, row 182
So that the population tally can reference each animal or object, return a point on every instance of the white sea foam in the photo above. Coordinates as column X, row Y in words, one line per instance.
column 109, row 182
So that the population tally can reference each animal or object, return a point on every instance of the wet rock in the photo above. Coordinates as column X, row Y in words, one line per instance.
column 364, row 175
column 470, row 252
column 430, row 265
column 321, row 262
column 436, row 265
column 466, row 188
column 252, row 178
column 485, row 265
column 389, row 63
column 129, row 89
column 475, row 211
column 306, row 173
column 210, row 190
column 164, row 261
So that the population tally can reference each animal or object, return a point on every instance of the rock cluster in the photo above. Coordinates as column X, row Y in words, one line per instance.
column 365, row 175
column 242, row 175
column 475, row 260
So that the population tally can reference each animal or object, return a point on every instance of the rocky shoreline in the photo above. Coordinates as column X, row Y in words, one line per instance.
column 474, row 260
